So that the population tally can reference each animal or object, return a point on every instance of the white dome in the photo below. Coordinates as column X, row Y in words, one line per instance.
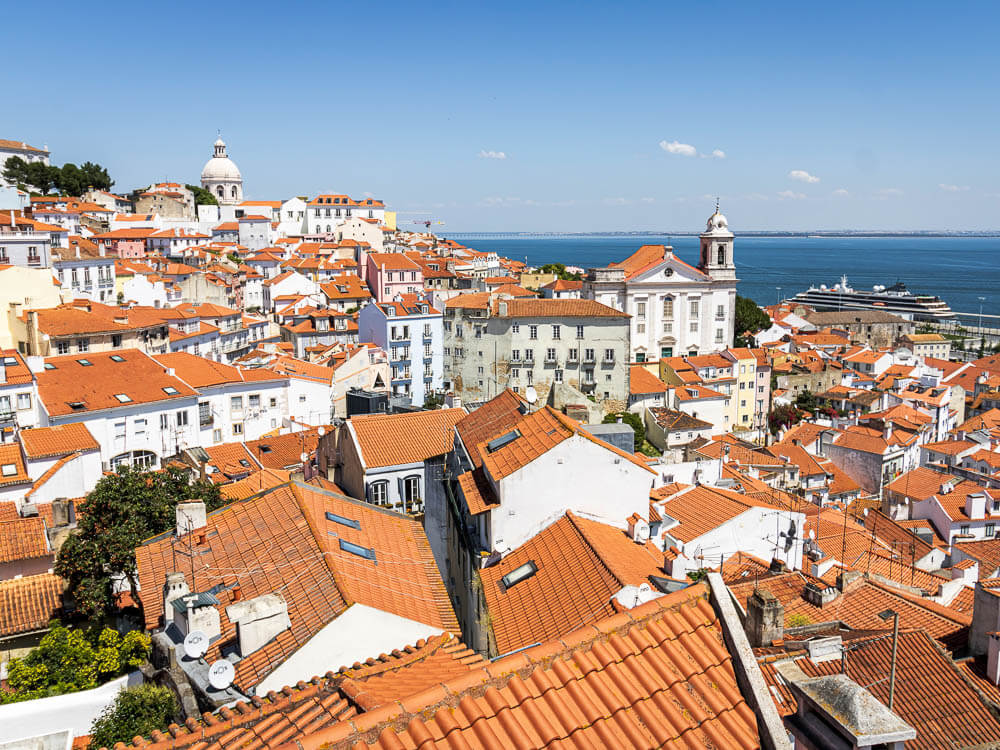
column 220, row 168
column 717, row 222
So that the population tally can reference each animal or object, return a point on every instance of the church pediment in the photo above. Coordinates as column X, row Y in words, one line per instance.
column 670, row 270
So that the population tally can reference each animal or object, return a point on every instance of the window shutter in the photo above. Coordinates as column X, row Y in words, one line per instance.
column 402, row 488
column 368, row 493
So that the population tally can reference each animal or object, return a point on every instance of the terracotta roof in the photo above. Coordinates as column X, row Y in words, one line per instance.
column 199, row 372
column 16, row 370
column 985, row 551
column 581, row 564
column 557, row 308
column 23, row 539
column 133, row 374
column 58, row 440
column 920, row 483
column 12, row 463
column 672, row 420
column 655, row 676
column 285, row 451
column 699, row 510
column 494, row 418
column 394, row 439
column 28, row 604
column 931, row 693
column 642, row 381
column 650, row 256
column 253, row 543
column 392, row 262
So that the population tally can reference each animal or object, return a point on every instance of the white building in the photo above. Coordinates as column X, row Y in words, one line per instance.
column 22, row 150
column 327, row 212
column 222, row 178
column 676, row 308
column 411, row 331
column 85, row 271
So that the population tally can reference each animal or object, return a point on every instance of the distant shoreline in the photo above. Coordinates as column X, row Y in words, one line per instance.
column 806, row 235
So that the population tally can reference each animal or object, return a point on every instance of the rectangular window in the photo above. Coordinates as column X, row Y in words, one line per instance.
column 694, row 308
column 640, row 327
column 164, row 421
column 555, row 332
column 532, row 332
column 116, row 340
column 609, row 355
column 237, row 428
column 720, row 312
column 515, row 328
column 640, row 309
column 236, row 403
column 140, row 428
column 668, row 308
column 254, row 401
column 558, row 376
column 550, row 355
column 719, row 336
column 990, row 529
column 666, row 351
column 574, row 355
column 529, row 355
column 23, row 401
column 588, row 355
column 62, row 347
column 83, row 345
column 693, row 326
column 515, row 373
column 119, row 430
column 515, row 355
column 579, row 332
column 964, row 529
column 182, row 418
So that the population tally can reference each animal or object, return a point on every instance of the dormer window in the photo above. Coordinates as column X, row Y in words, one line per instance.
column 123, row 398
column 9, row 470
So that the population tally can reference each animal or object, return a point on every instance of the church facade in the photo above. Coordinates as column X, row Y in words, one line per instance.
column 676, row 309
column 222, row 178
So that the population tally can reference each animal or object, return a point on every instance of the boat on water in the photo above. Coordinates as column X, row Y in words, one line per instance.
column 895, row 299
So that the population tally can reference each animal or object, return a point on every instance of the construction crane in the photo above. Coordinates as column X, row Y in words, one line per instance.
column 427, row 223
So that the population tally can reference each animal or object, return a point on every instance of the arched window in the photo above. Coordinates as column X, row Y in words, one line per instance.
column 234, row 191
column 221, row 192
column 722, row 255
column 138, row 459
column 378, row 493
column 412, row 501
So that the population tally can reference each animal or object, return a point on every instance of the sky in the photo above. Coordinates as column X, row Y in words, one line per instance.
column 514, row 116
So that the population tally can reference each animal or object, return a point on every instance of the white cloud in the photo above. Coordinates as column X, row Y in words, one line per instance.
column 676, row 147
column 615, row 201
column 888, row 193
column 953, row 188
column 791, row 195
column 803, row 176
column 840, row 192
column 717, row 153
column 492, row 155
column 648, row 200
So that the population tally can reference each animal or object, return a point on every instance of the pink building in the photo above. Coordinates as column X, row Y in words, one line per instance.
column 125, row 243
column 389, row 274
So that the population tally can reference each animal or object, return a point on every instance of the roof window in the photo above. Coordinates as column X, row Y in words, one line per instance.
column 117, row 358
column 85, row 362
column 9, row 362
column 170, row 390
column 356, row 549
column 50, row 366
column 8, row 470
column 518, row 574
column 497, row 443
column 343, row 521
column 122, row 398
column 264, row 448
column 76, row 405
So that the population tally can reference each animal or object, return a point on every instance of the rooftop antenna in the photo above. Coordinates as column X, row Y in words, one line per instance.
column 716, row 204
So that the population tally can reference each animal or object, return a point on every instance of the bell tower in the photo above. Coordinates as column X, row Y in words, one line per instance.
column 717, row 248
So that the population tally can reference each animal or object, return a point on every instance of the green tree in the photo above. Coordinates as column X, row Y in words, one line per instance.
column 781, row 416
column 70, row 180
column 202, row 196
column 40, row 176
column 66, row 661
column 122, row 510
column 632, row 420
column 559, row 269
column 95, row 176
column 135, row 712
column 806, row 400
column 749, row 319
column 15, row 171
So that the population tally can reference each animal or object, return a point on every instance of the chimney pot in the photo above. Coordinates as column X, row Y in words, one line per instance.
column 765, row 618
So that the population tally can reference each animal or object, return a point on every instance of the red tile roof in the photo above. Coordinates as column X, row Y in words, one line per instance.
column 581, row 565
column 27, row 604
column 59, row 440
column 14, row 471
column 494, row 418
column 557, row 308
column 656, row 676
column 23, row 539
column 642, row 381
column 394, row 439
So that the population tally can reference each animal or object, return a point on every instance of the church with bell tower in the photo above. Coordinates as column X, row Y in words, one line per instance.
column 676, row 309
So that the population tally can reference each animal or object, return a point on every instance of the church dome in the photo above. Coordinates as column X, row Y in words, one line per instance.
column 717, row 222
column 220, row 166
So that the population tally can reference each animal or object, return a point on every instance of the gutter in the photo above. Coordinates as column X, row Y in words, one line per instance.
column 773, row 735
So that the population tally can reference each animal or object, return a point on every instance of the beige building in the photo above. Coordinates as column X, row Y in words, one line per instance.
column 492, row 343
column 927, row 345
column 879, row 330
column 21, row 289
column 84, row 327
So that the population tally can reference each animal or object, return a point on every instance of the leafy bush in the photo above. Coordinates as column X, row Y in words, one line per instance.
column 135, row 712
column 67, row 661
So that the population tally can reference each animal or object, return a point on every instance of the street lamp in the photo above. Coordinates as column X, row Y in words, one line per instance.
column 884, row 615
column 981, row 301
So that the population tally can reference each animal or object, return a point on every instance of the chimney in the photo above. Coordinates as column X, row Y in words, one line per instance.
column 765, row 618
column 887, row 429
column 849, row 580
column 975, row 506
column 190, row 516
column 819, row 595
column 993, row 658
column 175, row 588
column 258, row 620
column 638, row 529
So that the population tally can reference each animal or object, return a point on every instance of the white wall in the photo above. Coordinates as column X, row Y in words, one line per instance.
column 357, row 634
column 74, row 478
column 578, row 475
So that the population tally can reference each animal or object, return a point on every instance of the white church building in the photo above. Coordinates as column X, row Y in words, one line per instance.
column 676, row 309
column 222, row 178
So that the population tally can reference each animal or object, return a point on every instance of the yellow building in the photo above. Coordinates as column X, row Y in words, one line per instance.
column 24, row 289
column 389, row 219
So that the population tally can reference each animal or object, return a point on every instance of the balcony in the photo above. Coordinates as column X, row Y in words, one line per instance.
column 608, row 361
column 7, row 417
column 529, row 359
column 428, row 338
column 572, row 358
column 551, row 360
column 588, row 359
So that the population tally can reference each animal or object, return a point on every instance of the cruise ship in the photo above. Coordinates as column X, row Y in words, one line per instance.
column 895, row 299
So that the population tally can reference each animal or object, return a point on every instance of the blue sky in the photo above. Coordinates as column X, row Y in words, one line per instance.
column 839, row 115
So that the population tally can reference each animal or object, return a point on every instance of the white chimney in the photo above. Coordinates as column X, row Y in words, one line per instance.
column 190, row 516
column 258, row 620
column 975, row 505
column 638, row 529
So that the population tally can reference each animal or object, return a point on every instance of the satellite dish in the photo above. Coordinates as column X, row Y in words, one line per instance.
column 812, row 534
column 196, row 644
column 304, row 457
column 221, row 674
column 530, row 394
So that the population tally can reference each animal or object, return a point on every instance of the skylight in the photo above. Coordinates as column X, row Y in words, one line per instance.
column 170, row 390
column 356, row 549
column 497, row 443
column 85, row 362
column 520, row 573
column 9, row 470
column 9, row 362
column 117, row 358
column 343, row 521
column 76, row 405
column 50, row 366
column 122, row 398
